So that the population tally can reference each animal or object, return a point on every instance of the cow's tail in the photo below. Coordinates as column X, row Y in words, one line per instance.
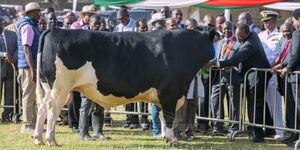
column 39, row 89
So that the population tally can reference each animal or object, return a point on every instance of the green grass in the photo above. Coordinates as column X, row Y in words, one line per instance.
column 11, row 139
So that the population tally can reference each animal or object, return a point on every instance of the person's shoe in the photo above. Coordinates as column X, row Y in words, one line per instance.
column 134, row 126
column 6, row 121
column 190, row 138
column 292, row 138
column 126, row 125
column 278, row 137
column 107, row 124
column 27, row 130
column 269, row 133
column 101, row 137
column 145, row 126
column 218, row 132
column 292, row 144
column 258, row 139
column 87, row 138
column 75, row 130
column 157, row 136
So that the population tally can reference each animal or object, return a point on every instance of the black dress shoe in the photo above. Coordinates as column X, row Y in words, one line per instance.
column 292, row 138
column 126, row 125
column 292, row 144
column 258, row 139
column 218, row 132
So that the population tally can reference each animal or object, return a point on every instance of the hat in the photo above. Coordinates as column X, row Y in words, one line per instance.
column 88, row 9
column 32, row 6
column 156, row 17
column 268, row 14
column 296, row 13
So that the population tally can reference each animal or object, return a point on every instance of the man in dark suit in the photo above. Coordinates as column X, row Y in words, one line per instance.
column 8, row 54
column 251, row 55
column 287, row 31
column 294, row 63
column 223, row 83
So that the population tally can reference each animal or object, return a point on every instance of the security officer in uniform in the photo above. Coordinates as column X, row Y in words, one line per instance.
column 270, row 39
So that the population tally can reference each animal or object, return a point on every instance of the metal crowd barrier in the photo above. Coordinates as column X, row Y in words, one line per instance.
column 246, row 122
column 227, row 115
column 14, row 106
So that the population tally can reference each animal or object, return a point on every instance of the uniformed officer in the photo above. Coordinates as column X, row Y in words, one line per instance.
column 270, row 38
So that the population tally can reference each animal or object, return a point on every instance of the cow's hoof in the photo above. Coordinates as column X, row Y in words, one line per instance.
column 38, row 140
column 175, row 144
column 52, row 143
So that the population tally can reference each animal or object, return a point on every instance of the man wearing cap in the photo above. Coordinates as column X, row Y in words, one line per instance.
column 157, row 21
column 270, row 40
column 28, row 39
column 85, row 14
column 294, row 64
column 246, row 18
column 8, row 54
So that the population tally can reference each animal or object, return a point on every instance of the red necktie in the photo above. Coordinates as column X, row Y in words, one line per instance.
column 285, row 51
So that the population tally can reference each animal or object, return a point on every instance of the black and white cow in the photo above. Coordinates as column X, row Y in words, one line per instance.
column 117, row 68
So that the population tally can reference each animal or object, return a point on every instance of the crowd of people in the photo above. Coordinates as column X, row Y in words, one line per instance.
column 240, row 46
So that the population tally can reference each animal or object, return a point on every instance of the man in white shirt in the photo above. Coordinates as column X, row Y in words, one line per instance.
column 126, row 23
column 270, row 40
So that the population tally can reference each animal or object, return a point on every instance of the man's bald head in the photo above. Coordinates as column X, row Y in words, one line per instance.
column 191, row 23
column 171, row 24
column 287, row 30
column 245, row 18
column 123, row 16
column 177, row 15
column 166, row 11
column 227, row 29
column 209, row 20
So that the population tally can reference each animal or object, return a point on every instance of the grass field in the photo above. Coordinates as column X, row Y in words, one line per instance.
column 11, row 139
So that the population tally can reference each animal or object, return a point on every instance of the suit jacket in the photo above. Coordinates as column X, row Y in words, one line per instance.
column 280, row 80
column 251, row 54
column 225, row 77
column 294, row 55
column 11, row 43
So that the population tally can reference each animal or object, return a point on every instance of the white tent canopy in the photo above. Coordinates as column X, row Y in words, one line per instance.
column 156, row 4
column 292, row 5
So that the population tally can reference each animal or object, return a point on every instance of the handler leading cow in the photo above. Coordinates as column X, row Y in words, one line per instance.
column 117, row 68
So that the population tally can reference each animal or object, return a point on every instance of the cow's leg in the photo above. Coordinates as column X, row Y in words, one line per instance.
column 168, row 109
column 55, row 106
column 42, row 112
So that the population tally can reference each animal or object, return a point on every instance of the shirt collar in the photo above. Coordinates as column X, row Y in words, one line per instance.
column 275, row 31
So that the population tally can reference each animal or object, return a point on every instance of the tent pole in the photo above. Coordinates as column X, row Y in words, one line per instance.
column 227, row 14
column 74, row 6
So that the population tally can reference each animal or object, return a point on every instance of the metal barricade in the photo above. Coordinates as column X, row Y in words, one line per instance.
column 14, row 91
column 253, row 123
column 229, row 117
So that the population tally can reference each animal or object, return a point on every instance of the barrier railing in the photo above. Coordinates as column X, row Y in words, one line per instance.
column 216, row 77
column 254, row 122
column 14, row 100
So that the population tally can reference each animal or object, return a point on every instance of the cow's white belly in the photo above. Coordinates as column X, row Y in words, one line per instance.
column 85, row 81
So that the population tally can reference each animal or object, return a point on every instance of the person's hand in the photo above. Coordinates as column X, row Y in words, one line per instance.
column 283, row 72
column 208, row 64
column 9, row 59
column 276, row 68
column 33, row 74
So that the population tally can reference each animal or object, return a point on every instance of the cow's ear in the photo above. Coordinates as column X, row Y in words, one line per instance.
column 212, row 34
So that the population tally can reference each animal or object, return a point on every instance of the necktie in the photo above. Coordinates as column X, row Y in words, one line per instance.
column 226, row 49
column 285, row 51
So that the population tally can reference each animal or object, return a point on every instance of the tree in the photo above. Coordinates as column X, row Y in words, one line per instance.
column 57, row 4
